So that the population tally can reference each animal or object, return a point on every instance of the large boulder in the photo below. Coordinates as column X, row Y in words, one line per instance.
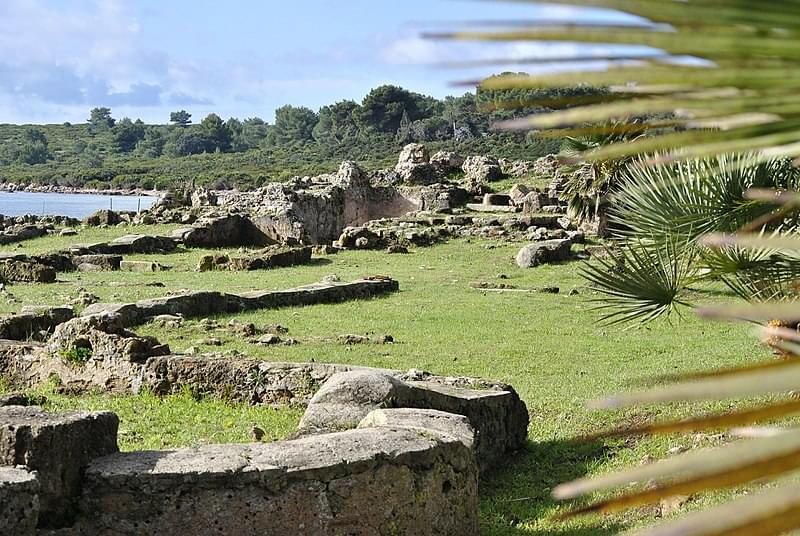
column 224, row 231
column 414, row 165
column 350, row 175
column 103, row 337
column 481, row 169
column 348, row 397
column 447, row 162
column 547, row 252
column 102, row 217
column 517, row 168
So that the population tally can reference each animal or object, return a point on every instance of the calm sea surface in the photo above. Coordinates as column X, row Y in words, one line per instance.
column 73, row 205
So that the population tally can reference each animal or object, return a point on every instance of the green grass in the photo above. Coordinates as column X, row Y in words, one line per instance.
column 551, row 348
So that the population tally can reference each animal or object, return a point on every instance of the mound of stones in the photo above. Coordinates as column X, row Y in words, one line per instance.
column 385, row 455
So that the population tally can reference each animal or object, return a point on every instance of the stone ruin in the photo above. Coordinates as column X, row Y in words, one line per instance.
column 377, row 451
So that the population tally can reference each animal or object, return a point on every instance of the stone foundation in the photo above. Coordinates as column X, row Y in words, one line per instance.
column 198, row 304
column 409, row 470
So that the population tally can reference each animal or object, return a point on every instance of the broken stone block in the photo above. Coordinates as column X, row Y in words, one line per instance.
column 31, row 321
column 348, row 397
column 102, row 262
column 141, row 266
column 58, row 446
column 19, row 502
column 25, row 271
column 497, row 414
column 547, row 252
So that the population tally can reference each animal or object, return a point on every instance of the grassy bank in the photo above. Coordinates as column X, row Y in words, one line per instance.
column 550, row 347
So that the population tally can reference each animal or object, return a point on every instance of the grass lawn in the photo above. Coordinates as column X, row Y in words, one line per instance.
column 551, row 348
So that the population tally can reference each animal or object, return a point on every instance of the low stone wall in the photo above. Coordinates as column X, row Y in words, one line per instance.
column 198, row 304
column 413, row 469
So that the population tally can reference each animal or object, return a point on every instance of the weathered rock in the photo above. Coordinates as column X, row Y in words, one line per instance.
column 32, row 321
column 243, row 380
column 446, row 163
column 27, row 271
column 141, row 266
column 58, row 447
column 450, row 424
column 348, row 397
column 19, row 502
column 275, row 257
column 518, row 193
column 93, row 352
column 481, row 169
column 497, row 414
column 128, row 245
column 517, row 168
column 201, row 303
column 497, row 199
column 102, row 217
column 226, row 231
column 547, row 252
column 203, row 198
column 359, row 482
column 102, row 262
column 20, row 233
column 414, row 165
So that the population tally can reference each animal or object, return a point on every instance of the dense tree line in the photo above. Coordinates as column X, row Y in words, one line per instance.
column 126, row 152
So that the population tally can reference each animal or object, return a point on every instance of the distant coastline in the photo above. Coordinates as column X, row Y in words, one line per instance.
column 51, row 189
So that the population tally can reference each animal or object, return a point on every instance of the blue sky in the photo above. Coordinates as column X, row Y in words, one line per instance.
column 238, row 58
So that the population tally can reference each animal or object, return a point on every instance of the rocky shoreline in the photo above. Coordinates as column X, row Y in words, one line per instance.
column 10, row 187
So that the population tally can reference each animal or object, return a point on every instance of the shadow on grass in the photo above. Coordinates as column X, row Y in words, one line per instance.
column 516, row 499
column 319, row 261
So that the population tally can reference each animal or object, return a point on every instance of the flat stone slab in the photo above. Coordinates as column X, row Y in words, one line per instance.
column 475, row 207
column 58, row 447
column 19, row 502
column 360, row 482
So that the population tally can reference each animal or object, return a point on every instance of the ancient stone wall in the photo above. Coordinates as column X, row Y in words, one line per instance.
column 409, row 470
